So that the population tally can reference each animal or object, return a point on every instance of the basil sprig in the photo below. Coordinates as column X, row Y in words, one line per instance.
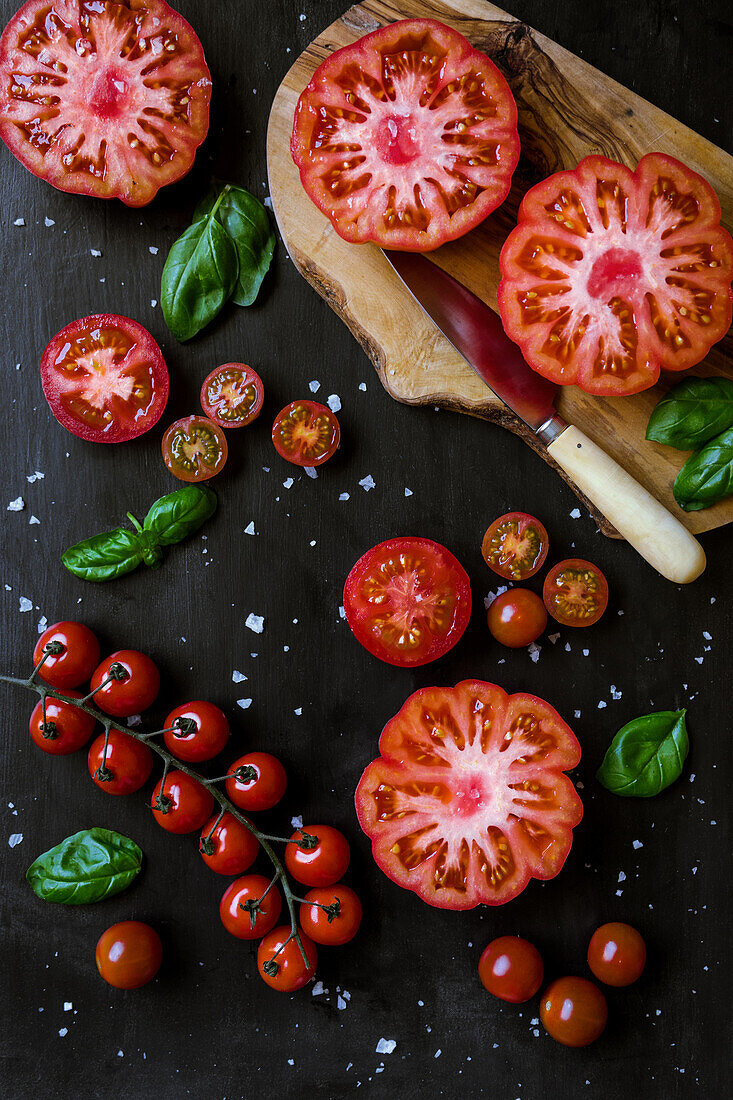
column 646, row 755
column 86, row 867
column 693, row 412
column 113, row 553
column 707, row 476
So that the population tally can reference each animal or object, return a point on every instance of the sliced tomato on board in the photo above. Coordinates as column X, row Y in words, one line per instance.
column 407, row 137
column 468, row 800
column 103, row 97
column 195, row 448
column 515, row 546
column 306, row 433
column 408, row 601
column 105, row 378
column 612, row 275
column 232, row 395
column 575, row 592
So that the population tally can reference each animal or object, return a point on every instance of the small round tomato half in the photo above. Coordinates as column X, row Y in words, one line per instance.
column 468, row 800
column 611, row 275
column 575, row 592
column 105, row 378
column 306, row 433
column 408, row 601
column 195, row 448
column 105, row 98
column 408, row 137
column 61, row 727
column 515, row 546
column 232, row 395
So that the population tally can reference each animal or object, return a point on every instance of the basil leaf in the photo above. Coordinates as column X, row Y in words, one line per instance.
column 646, row 755
column 693, row 412
column 198, row 278
column 179, row 514
column 247, row 222
column 707, row 476
column 106, row 556
column 86, row 867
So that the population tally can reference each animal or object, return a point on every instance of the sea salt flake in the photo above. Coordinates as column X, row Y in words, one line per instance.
column 245, row 704
column 340, row 1003
column 408, row 492
column 438, row 1053
column 367, row 483
column 48, row 222
column 636, row 844
column 24, row 604
column 297, row 822
column 575, row 514
column 311, row 471
column 622, row 876
column 602, row 704
column 615, row 693
column 19, row 221
column 334, row 402
column 586, row 652
column 534, row 651
column 343, row 496
column 15, row 839
column 386, row 1046
column 255, row 623
column 250, row 528
column 362, row 387
column 152, row 250
column 95, row 252
column 489, row 599
column 298, row 711
column 577, row 714
column 318, row 990
column 288, row 483
column 134, row 720
column 342, row 612
column 63, row 1031
column 707, row 635
column 42, row 624
column 238, row 677
column 33, row 519
column 699, row 660
column 16, row 505
column 553, row 638
column 314, row 386
column 68, row 1006
column 35, row 476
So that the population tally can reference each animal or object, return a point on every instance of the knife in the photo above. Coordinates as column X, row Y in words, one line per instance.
column 476, row 332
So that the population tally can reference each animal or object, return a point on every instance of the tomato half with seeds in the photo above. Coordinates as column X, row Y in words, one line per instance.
column 195, row 449
column 408, row 601
column 468, row 800
column 103, row 97
column 408, row 137
column 306, row 433
column 232, row 395
column 611, row 275
column 575, row 592
column 105, row 378
column 515, row 546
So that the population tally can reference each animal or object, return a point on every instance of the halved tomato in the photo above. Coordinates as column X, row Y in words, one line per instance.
column 103, row 97
column 232, row 395
column 575, row 592
column 515, row 546
column 105, row 378
column 611, row 274
column 195, row 448
column 306, row 433
column 408, row 137
column 408, row 601
column 468, row 800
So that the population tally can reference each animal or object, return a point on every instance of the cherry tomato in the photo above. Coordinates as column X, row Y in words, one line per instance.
column 201, row 731
column 232, row 395
column 126, row 766
column 133, row 683
column 575, row 592
column 73, row 655
column 317, row 855
column 517, row 617
column 129, row 954
column 65, row 729
column 573, row 1011
column 306, row 433
column 515, row 546
column 183, row 805
column 256, row 781
column 195, row 448
column 617, row 954
column 228, row 848
column 281, row 964
column 331, row 915
column 248, row 909
column 511, row 969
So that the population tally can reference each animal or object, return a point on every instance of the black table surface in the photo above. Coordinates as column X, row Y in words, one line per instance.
column 208, row 1027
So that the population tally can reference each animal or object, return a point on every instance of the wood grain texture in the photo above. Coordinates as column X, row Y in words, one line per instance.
column 567, row 110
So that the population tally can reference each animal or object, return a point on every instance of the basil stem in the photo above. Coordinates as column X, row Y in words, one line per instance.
column 646, row 755
column 693, row 412
column 86, row 867
column 707, row 476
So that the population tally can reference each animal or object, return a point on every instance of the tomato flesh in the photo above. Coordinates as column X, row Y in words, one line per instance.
column 617, row 954
column 195, row 449
column 407, row 137
column 611, row 275
column 573, row 1011
column 103, row 97
column 575, row 592
column 232, row 395
column 511, row 969
column 515, row 546
column 306, row 433
column 468, row 801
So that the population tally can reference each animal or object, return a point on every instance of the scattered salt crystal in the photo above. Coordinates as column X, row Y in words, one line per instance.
column 267, row 201
column 238, row 677
column 14, row 839
column 288, row 483
column 343, row 496
column 42, row 624
column 318, row 990
column 534, row 651
column 334, row 402
column 586, row 652
column 313, row 542
column 636, row 844
column 577, row 714
column 314, row 386
column 297, row 822
column 152, row 250
column 245, row 704
column 298, row 711
column 367, row 483
column 342, row 612
column 340, row 1003
column 25, row 604
column 95, row 252
column 36, row 476
column 134, row 720
column 386, row 1046
column 439, row 1052
column 16, row 505
column 256, row 623
column 699, row 660
column 34, row 519
column 622, row 876
column 302, row 18
column 311, row 471
column 615, row 693
column 19, row 221
column 291, row 1061
column 68, row 1006
column 153, row 303
column 553, row 638
column 408, row 492
column 250, row 528
column 707, row 635
column 575, row 514
column 49, row 222
column 362, row 387
column 488, row 600
column 63, row 1031
column 602, row 704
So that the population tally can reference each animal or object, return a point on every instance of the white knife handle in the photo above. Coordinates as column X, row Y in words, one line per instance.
column 636, row 514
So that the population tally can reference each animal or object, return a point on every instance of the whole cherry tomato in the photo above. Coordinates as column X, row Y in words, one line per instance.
column 65, row 728
column 317, row 855
column 249, row 907
column 200, row 731
column 511, row 969
column 227, row 846
column 125, row 768
column 517, row 618
column 256, row 781
column 617, row 954
column 129, row 954
column 73, row 654
column 182, row 805
column 281, row 964
column 331, row 915
column 573, row 1011
column 131, row 683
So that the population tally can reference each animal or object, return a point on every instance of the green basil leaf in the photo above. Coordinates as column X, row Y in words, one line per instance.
column 86, row 867
column 199, row 277
column 646, row 755
column 106, row 556
column 179, row 514
column 247, row 222
column 707, row 476
column 693, row 412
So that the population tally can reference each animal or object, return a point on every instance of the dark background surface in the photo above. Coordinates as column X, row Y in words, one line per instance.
column 208, row 1027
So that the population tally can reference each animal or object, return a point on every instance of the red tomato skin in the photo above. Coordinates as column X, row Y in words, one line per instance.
column 525, row 525
column 308, row 411
column 550, row 595
column 206, row 741
column 214, row 408
column 617, row 954
column 129, row 760
column 77, row 662
column 517, row 618
column 573, row 1011
column 322, row 865
column 73, row 727
column 198, row 471
column 314, row 920
column 238, row 921
column 135, row 693
column 292, row 972
column 191, row 807
column 511, row 969
column 129, row 954
column 265, row 790
column 235, row 847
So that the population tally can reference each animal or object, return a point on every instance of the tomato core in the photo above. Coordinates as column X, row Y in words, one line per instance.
column 612, row 272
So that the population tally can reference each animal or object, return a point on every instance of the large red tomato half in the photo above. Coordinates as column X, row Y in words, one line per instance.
column 103, row 97
column 408, row 137
column 468, row 800
column 612, row 275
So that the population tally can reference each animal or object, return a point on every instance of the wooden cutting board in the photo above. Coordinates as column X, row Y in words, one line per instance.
column 567, row 109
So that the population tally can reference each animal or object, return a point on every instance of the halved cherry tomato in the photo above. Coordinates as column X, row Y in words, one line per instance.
column 407, row 137
column 65, row 727
column 511, row 969
column 129, row 954
column 232, row 395
column 196, row 731
column 306, row 433
column 517, row 618
column 227, row 846
column 617, row 954
column 125, row 683
column 317, row 855
column 105, row 378
column 331, row 915
column 573, row 1011
column 195, row 448
column 72, row 655
column 250, row 907
column 181, row 804
column 256, row 781
column 515, row 546
column 280, row 962
column 105, row 97
column 408, row 601
column 124, row 768
column 575, row 592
